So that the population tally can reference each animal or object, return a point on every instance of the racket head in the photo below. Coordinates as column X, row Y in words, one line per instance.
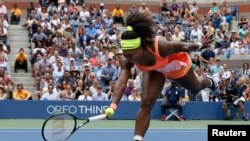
column 59, row 127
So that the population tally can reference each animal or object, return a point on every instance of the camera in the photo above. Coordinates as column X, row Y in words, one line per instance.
column 229, row 90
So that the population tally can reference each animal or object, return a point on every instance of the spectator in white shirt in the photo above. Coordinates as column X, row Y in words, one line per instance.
column 86, row 96
column 194, row 8
column 135, row 95
column 196, row 34
column 4, row 21
column 4, row 32
column 84, row 14
column 103, row 11
column 234, row 44
column 99, row 95
column 226, row 72
column 218, row 76
column 94, row 87
column 68, row 94
column 46, row 22
column 239, row 50
column 3, row 9
column 62, row 8
column 244, row 70
column 178, row 34
column 58, row 72
column 55, row 21
column 50, row 95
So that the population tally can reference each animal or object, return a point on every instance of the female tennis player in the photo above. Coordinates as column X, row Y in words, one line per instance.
column 158, row 59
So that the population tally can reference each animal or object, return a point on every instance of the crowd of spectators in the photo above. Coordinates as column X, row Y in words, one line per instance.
column 182, row 22
column 74, row 52
column 7, row 85
column 74, row 48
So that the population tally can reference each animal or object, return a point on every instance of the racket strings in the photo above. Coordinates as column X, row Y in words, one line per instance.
column 59, row 127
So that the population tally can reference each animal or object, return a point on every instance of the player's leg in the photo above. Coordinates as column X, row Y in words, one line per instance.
column 163, row 111
column 226, row 106
column 242, row 110
column 152, row 85
column 195, row 84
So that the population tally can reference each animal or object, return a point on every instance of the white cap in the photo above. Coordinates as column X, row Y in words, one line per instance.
column 86, row 65
column 92, row 41
column 110, row 58
column 101, row 4
column 71, row 59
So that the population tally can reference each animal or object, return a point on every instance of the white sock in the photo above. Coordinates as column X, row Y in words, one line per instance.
column 138, row 138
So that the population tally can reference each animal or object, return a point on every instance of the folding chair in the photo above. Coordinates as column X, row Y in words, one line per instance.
column 174, row 112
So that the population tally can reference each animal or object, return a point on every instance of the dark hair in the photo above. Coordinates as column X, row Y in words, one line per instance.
column 129, row 35
column 19, row 85
column 51, row 85
column 86, row 88
column 133, row 76
column 207, row 68
column 244, row 88
column 59, row 63
column 142, row 26
column 21, row 49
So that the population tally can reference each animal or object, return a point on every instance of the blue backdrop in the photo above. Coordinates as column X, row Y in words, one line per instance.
column 126, row 110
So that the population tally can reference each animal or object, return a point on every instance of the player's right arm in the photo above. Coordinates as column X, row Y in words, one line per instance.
column 120, row 85
column 122, row 81
column 166, row 47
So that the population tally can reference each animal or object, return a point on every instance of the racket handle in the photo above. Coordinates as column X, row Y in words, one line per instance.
column 99, row 117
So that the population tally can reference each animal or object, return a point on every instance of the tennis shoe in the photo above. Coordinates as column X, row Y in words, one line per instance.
column 163, row 118
column 214, row 87
column 181, row 118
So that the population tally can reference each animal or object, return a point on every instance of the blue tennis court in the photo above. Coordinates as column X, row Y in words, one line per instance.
column 124, row 134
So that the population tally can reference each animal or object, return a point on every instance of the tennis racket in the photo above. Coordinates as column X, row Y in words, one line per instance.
column 61, row 126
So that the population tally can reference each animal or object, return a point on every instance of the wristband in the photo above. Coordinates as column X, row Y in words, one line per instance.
column 113, row 106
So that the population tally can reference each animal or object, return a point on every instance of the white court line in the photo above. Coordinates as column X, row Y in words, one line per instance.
column 25, row 131
column 111, row 129
column 117, row 130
